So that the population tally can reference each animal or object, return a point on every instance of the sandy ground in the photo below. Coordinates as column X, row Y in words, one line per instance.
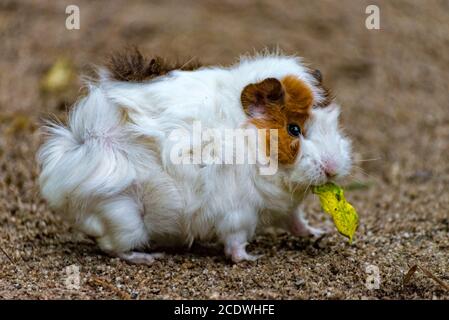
column 392, row 83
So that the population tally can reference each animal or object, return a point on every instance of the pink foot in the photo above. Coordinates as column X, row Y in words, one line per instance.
column 301, row 228
column 235, row 248
column 140, row 257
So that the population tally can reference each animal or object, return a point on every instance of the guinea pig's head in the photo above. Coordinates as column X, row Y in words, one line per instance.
column 311, row 147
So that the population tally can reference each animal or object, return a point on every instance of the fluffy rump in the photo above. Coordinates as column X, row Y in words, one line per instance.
column 90, row 157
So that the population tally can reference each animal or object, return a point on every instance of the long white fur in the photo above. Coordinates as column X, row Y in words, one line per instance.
column 112, row 177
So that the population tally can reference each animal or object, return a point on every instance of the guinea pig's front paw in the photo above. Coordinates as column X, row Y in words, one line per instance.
column 301, row 228
column 140, row 257
column 316, row 232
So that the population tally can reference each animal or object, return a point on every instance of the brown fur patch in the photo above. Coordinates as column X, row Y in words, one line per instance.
column 131, row 65
column 274, row 104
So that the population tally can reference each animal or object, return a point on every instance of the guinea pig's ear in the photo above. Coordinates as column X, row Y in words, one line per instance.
column 258, row 98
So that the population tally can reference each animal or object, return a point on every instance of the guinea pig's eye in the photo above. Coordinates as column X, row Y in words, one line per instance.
column 294, row 129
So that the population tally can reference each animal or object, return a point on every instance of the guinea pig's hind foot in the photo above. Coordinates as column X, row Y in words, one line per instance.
column 236, row 250
column 139, row 257
column 240, row 255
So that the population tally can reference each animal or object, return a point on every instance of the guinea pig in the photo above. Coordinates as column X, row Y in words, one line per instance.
column 121, row 170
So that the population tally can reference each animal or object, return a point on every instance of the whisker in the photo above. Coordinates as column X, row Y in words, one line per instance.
column 355, row 179
column 292, row 194
column 364, row 172
column 307, row 189
column 293, row 190
column 365, row 160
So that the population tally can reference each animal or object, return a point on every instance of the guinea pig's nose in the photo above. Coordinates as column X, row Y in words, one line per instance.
column 330, row 168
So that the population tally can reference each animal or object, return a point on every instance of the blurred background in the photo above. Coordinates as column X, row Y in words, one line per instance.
column 392, row 84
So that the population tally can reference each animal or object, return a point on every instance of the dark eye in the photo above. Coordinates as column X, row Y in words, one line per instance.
column 294, row 129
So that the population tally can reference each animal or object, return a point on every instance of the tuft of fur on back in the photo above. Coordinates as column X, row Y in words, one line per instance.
column 90, row 157
column 131, row 65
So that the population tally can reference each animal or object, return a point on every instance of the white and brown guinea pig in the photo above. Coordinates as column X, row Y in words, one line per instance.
column 110, row 171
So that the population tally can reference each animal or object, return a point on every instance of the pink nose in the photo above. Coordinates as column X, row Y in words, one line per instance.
column 330, row 168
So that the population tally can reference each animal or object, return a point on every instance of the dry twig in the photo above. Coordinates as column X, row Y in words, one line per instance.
column 429, row 274
column 7, row 256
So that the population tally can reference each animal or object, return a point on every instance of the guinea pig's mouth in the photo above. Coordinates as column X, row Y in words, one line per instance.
column 318, row 184
column 324, row 179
